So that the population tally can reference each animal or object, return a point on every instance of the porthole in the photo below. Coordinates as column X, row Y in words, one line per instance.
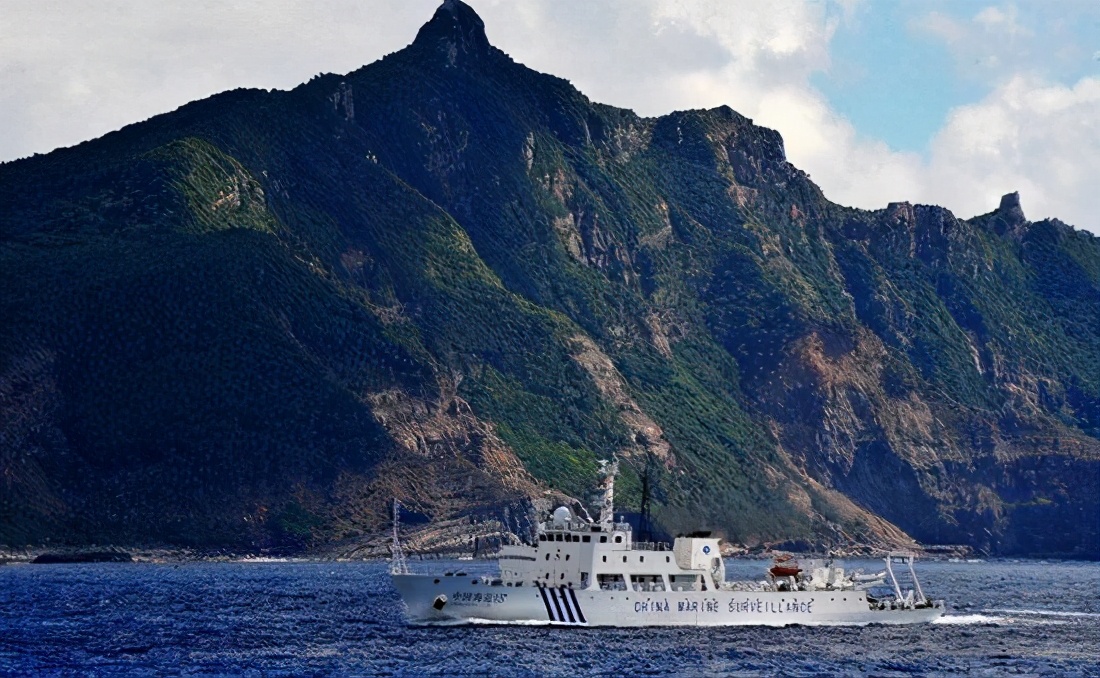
column 436, row 581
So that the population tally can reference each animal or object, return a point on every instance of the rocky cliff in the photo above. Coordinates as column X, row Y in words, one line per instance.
column 450, row 279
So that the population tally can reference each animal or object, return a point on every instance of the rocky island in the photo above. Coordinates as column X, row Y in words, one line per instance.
column 254, row 321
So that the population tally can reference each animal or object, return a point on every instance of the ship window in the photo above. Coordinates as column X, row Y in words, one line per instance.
column 605, row 559
column 618, row 539
column 667, row 559
column 576, row 537
column 586, row 538
column 624, row 559
column 567, row 556
column 641, row 559
column 563, row 575
column 603, row 538
column 436, row 581
column 558, row 538
column 542, row 537
column 683, row 582
column 548, row 556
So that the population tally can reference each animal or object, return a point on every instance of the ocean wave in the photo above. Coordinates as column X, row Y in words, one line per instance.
column 971, row 619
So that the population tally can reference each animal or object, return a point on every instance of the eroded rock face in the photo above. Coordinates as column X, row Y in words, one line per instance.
column 261, row 318
column 645, row 432
column 447, row 431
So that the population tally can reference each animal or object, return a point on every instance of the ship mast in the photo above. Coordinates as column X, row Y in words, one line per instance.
column 608, row 469
column 644, row 520
column 398, row 564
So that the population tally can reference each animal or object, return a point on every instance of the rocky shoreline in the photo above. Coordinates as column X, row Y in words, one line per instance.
column 378, row 549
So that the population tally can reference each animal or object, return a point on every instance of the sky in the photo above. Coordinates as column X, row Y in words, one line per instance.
column 948, row 102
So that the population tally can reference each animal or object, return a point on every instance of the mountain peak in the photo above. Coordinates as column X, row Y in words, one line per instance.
column 456, row 31
column 1010, row 210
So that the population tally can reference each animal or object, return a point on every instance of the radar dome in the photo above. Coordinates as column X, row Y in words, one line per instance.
column 562, row 516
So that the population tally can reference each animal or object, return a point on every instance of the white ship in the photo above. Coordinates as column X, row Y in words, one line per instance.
column 592, row 573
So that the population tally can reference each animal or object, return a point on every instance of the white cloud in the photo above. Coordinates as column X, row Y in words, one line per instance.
column 946, row 28
column 991, row 45
column 1001, row 21
column 1031, row 135
column 74, row 71
column 1028, row 135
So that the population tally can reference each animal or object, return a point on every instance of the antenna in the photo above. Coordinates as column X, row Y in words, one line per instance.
column 607, row 506
column 644, row 519
column 398, row 564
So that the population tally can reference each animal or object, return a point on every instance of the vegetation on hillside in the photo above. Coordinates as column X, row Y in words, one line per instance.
column 253, row 321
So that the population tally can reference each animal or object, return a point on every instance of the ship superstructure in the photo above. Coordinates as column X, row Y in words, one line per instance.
column 592, row 572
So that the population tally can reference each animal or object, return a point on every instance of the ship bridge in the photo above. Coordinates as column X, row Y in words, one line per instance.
column 602, row 555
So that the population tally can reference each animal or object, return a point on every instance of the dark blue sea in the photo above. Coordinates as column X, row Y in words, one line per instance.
column 294, row 619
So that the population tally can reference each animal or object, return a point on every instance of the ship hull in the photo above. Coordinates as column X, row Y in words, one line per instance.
column 459, row 600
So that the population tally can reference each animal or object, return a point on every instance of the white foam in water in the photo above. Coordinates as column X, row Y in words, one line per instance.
column 1050, row 613
column 971, row 619
column 517, row 622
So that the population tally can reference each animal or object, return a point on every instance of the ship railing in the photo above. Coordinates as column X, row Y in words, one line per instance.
column 652, row 546
column 582, row 526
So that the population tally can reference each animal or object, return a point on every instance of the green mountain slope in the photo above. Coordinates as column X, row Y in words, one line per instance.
column 447, row 278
